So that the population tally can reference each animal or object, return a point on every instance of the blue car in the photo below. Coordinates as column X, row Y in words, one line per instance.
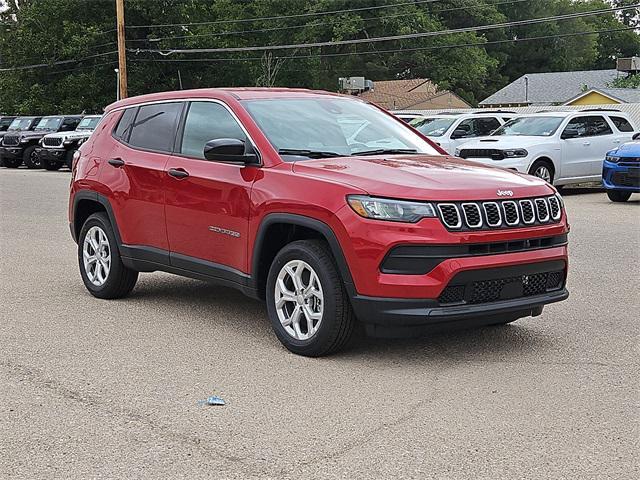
column 621, row 171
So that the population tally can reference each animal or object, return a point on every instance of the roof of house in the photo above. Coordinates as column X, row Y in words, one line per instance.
column 405, row 94
column 623, row 95
column 551, row 88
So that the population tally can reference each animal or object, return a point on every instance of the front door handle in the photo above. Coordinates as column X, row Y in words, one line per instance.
column 178, row 173
column 116, row 162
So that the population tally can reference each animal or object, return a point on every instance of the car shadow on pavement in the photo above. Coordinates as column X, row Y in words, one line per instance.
column 212, row 306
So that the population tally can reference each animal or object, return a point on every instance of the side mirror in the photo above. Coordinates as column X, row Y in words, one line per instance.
column 636, row 136
column 228, row 150
column 569, row 133
column 459, row 133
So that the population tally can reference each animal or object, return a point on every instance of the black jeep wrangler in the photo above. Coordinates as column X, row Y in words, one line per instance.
column 57, row 149
column 21, row 146
column 14, row 124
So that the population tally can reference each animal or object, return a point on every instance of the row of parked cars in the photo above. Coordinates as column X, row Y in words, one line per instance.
column 562, row 148
column 43, row 142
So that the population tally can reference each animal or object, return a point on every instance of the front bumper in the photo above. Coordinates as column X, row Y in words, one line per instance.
column 12, row 152
column 50, row 154
column 512, row 293
column 621, row 176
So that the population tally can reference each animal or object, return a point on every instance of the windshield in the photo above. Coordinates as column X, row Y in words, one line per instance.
column 330, row 126
column 49, row 123
column 88, row 123
column 432, row 127
column 531, row 126
column 21, row 123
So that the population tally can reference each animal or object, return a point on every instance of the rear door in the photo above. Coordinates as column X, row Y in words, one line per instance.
column 208, row 205
column 135, row 171
column 622, row 128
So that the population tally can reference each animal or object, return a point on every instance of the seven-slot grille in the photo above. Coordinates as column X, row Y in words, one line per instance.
column 500, row 214
column 11, row 140
column 52, row 141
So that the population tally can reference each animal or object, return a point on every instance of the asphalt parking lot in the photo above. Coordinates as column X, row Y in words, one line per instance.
column 93, row 388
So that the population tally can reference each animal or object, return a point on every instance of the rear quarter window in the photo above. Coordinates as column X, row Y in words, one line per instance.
column 124, row 125
column 622, row 124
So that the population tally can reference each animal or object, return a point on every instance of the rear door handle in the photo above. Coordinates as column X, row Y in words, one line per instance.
column 116, row 162
column 587, row 143
column 178, row 173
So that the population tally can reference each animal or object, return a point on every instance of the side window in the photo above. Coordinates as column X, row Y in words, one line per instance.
column 207, row 121
column 598, row 126
column 70, row 124
column 622, row 124
column 124, row 125
column 155, row 127
column 484, row 126
column 579, row 124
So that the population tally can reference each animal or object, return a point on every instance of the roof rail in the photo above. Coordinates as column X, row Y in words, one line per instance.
column 600, row 110
column 451, row 113
column 495, row 111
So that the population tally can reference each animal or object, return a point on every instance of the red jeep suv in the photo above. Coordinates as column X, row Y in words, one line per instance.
column 329, row 208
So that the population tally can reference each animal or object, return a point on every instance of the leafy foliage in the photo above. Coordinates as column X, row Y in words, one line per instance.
column 472, row 64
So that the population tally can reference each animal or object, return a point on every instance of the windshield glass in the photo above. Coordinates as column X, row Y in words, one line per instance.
column 330, row 126
column 532, row 126
column 21, row 123
column 49, row 123
column 88, row 123
column 432, row 127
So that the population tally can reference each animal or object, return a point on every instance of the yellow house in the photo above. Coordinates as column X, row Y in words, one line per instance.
column 606, row 96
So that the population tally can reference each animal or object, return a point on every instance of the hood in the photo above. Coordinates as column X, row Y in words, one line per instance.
column 423, row 177
column 31, row 134
column 629, row 149
column 505, row 141
column 74, row 134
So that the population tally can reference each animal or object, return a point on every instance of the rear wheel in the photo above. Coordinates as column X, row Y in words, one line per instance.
column 542, row 169
column 31, row 158
column 618, row 195
column 307, row 304
column 101, row 267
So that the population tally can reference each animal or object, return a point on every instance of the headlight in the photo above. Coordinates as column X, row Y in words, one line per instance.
column 391, row 210
column 515, row 153
column 456, row 153
column 612, row 159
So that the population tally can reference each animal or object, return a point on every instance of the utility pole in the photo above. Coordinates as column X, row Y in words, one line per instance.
column 122, row 52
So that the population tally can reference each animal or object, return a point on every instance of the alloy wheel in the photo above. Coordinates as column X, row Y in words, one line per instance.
column 96, row 256
column 299, row 300
column 543, row 173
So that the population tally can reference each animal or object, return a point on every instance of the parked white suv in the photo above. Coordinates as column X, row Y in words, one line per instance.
column 560, row 147
column 450, row 129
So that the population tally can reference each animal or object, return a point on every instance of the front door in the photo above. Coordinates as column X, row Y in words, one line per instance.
column 207, row 203
column 583, row 155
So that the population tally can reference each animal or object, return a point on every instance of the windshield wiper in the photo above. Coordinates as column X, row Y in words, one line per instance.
column 383, row 151
column 308, row 153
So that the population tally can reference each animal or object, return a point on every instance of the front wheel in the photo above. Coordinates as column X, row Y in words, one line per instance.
column 306, row 301
column 31, row 158
column 542, row 169
column 618, row 195
column 101, row 267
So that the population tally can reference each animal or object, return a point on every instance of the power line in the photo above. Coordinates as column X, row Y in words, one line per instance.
column 62, row 62
column 516, row 23
column 397, row 50
column 307, row 25
column 278, row 17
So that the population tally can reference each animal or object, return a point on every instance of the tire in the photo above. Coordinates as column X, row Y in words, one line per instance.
column 49, row 165
column 119, row 280
column 543, row 169
column 618, row 195
column 12, row 162
column 68, row 158
column 336, row 323
column 31, row 158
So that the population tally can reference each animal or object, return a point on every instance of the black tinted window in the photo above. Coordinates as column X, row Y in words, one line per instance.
column 622, row 124
column 124, row 125
column 590, row 126
column 155, row 127
column 208, row 121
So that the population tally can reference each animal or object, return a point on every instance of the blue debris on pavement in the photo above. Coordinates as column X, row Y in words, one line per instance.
column 212, row 400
